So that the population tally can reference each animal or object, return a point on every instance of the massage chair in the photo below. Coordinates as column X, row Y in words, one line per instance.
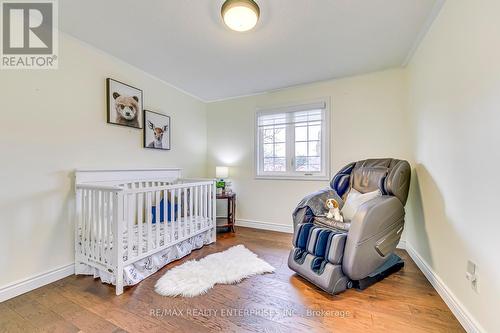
column 336, row 256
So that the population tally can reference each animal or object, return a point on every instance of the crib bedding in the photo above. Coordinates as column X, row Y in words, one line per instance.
column 178, row 228
column 141, row 269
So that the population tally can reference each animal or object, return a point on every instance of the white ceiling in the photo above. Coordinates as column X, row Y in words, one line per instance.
column 186, row 44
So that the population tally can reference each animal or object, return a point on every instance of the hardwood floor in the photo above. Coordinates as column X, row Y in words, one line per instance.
column 280, row 302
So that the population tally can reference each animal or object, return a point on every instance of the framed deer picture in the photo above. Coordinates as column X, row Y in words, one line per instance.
column 156, row 130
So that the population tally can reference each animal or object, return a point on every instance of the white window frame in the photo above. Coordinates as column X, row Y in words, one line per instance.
column 290, row 174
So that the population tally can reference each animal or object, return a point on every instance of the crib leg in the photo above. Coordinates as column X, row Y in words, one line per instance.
column 214, row 235
column 119, row 281
column 119, row 289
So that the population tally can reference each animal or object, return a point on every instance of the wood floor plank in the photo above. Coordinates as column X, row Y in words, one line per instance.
column 10, row 321
column 279, row 302
column 42, row 318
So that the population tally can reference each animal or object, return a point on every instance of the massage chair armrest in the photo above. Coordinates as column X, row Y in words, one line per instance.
column 304, row 214
column 300, row 215
column 374, row 234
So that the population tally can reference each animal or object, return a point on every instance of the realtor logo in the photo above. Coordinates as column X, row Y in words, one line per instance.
column 29, row 34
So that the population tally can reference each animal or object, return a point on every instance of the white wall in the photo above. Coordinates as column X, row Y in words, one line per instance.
column 454, row 81
column 55, row 121
column 369, row 119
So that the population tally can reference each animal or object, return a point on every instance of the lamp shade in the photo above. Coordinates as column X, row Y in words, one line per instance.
column 221, row 172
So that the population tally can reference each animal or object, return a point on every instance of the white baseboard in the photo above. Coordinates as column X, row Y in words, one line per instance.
column 281, row 228
column 20, row 287
column 464, row 317
column 265, row 225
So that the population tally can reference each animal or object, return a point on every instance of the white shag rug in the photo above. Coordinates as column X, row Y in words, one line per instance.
column 196, row 277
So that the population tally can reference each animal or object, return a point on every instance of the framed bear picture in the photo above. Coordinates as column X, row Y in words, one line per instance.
column 156, row 130
column 124, row 104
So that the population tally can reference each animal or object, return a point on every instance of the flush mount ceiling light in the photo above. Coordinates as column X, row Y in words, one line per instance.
column 240, row 15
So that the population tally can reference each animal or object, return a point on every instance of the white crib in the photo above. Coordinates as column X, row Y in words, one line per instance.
column 152, row 215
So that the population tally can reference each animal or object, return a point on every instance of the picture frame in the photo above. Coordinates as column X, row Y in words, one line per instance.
column 124, row 104
column 157, row 130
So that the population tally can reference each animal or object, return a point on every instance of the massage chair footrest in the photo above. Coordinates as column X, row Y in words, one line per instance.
column 322, row 273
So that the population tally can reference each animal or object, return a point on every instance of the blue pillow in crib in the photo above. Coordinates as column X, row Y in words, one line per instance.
column 162, row 215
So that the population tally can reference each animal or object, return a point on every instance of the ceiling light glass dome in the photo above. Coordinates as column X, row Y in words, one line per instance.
column 240, row 15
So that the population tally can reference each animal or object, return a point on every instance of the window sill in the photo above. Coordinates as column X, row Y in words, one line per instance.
column 298, row 178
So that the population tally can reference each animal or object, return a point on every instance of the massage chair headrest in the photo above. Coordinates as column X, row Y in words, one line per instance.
column 390, row 176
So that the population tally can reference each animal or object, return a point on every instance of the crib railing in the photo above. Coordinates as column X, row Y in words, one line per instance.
column 120, row 224
column 96, row 220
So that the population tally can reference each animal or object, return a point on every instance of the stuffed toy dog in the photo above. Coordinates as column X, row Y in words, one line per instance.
column 334, row 210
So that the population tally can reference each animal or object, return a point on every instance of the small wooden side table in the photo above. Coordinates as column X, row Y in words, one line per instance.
column 231, row 210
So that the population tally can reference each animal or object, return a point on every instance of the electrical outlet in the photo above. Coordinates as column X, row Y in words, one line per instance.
column 472, row 276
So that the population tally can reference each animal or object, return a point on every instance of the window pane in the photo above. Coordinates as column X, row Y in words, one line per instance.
column 314, row 132
column 301, row 149
column 314, row 168
column 301, row 163
column 280, row 150
column 268, row 135
column 280, row 134
column 314, row 148
column 268, row 150
column 279, row 164
column 268, row 164
column 301, row 133
column 314, row 161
